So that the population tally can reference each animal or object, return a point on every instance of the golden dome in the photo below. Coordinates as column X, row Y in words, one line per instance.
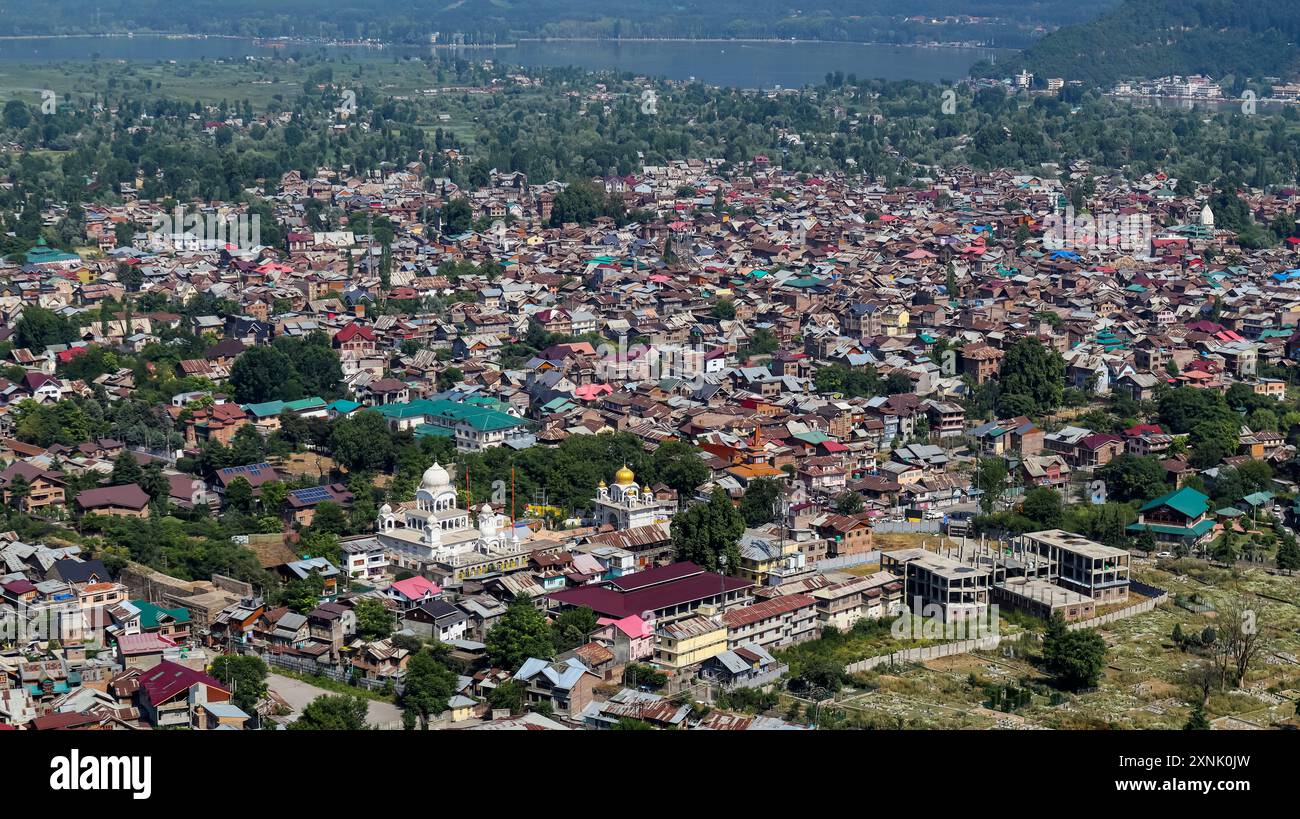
column 624, row 476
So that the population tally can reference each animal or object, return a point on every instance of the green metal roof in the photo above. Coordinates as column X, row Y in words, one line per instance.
column 301, row 404
column 480, row 418
column 1258, row 498
column 1181, row 531
column 149, row 613
column 1186, row 501
column 343, row 406
column 266, row 409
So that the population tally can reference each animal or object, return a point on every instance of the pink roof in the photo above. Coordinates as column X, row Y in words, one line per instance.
column 413, row 588
column 144, row 643
column 589, row 391
column 632, row 625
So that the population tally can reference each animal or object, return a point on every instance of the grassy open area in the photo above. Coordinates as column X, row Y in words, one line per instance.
column 889, row 541
column 1144, row 684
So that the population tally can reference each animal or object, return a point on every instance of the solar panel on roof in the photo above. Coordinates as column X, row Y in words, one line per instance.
column 312, row 494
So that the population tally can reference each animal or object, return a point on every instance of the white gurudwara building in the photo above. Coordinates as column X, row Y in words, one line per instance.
column 627, row 505
column 432, row 534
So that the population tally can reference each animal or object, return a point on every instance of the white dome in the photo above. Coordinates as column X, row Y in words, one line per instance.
column 435, row 477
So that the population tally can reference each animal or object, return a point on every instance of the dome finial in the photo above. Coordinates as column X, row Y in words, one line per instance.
column 435, row 477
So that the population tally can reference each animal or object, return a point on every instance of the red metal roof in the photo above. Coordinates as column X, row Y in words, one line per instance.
column 167, row 679
column 665, row 587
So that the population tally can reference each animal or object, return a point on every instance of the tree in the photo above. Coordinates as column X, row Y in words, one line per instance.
column 848, row 503
column 990, row 479
column 302, row 594
column 759, row 505
column 521, row 633
column 507, row 695
column 579, row 202
column 259, row 374
column 156, row 485
column 1239, row 635
column 1288, row 554
column 126, row 469
column 16, row 115
column 1212, row 441
column 572, row 627
column 329, row 517
column 679, row 465
column 1129, row 477
column 1182, row 408
column 450, row 377
column 819, row 673
column 19, row 489
column 362, row 442
column 1074, row 658
column 248, row 446
column 457, row 216
column 1197, row 721
column 39, row 328
column 427, row 687
column 762, row 342
column 1030, row 369
column 246, row 675
column 273, row 496
column 333, row 712
column 706, row 531
column 631, row 724
column 1042, row 505
column 239, row 495
column 374, row 620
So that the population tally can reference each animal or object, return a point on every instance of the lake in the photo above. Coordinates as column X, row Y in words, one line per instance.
column 740, row 64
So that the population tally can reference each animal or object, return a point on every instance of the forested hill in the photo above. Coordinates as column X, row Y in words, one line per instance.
column 1008, row 23
column 1154, row 38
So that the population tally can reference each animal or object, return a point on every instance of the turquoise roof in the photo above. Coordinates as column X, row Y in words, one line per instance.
column 1182, row 531
column 1186, row 501
column 266, row 409
column 149, row 613
column 480, row 418
column 44, row 254
column 305, row 404
column 343, row 406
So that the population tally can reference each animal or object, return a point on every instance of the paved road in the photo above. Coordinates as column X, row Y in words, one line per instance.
column 298, row 693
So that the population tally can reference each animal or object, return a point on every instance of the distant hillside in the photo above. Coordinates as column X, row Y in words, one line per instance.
column 1007, row 23
column 1153, row 38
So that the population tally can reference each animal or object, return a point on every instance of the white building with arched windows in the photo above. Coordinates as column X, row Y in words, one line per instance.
column 432, row 534
column 627, row 504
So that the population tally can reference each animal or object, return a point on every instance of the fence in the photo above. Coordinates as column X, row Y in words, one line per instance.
column 845, row 561
column 907, row 527
column 914, row 655
column 1129, row 611
column 310, row 667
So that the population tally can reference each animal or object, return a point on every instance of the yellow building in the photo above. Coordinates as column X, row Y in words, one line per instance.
column 759, row 556
column 689, row 642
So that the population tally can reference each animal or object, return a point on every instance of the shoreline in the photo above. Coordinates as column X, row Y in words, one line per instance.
column 271, row 42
